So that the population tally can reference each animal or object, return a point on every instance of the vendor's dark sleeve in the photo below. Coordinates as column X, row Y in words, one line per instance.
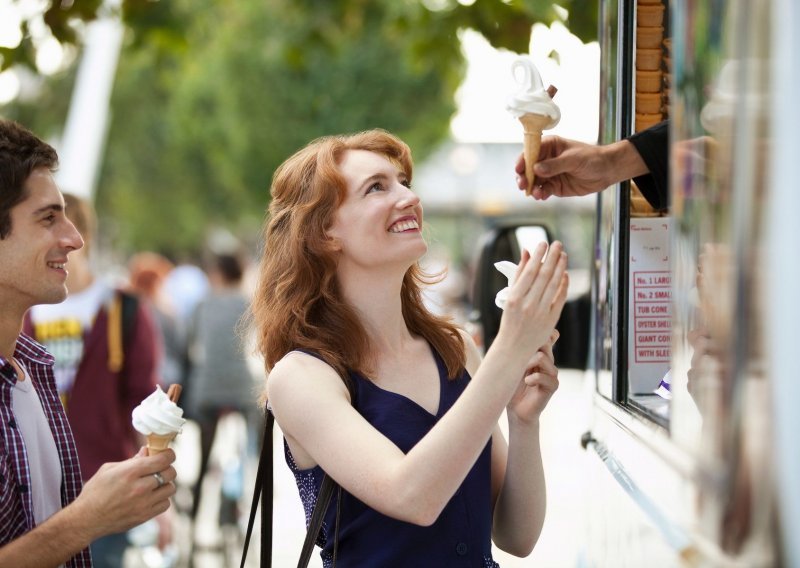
column 653, row 146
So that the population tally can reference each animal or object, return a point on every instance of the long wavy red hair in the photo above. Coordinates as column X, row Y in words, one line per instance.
column 297, row 303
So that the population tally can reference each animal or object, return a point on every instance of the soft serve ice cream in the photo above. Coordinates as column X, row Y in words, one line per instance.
column 159, row 419
column 533, row 105
column 532, row 97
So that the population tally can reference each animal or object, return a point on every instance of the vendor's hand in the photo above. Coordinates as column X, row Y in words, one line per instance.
column 125, row 494
column 537, row 386
column 568, row 168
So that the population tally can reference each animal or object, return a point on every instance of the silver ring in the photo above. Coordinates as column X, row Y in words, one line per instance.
column 160, row 479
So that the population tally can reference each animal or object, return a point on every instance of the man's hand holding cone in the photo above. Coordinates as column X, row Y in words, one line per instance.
column 159, row 418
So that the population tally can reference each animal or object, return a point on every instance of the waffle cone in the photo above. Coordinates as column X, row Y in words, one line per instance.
column 533, row 125
column 157, row 443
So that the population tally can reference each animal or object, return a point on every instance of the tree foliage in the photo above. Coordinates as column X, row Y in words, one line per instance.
column 217, row 118
column 429, row 23
column 211, row 95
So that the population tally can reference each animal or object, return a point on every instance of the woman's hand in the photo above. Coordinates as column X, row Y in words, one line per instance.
column 537, row 386
column 534, row 300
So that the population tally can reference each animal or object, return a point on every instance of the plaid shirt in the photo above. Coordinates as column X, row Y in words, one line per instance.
column 16, row 503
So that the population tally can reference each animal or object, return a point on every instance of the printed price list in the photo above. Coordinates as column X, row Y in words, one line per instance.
column 652, row 316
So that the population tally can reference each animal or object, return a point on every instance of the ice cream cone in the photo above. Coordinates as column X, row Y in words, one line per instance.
column 533, row 124
column 157, row 443
column 534, row 107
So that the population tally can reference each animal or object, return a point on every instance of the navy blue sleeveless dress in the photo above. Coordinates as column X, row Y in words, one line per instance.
column 461, row 536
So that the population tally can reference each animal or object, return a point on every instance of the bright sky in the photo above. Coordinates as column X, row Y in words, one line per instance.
column 481, row 99
column 50, row 56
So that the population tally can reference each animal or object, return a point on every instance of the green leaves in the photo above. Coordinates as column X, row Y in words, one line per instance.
column 212, row 95
column 203, row 128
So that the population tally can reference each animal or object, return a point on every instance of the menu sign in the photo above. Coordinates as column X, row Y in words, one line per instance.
column 650, row 330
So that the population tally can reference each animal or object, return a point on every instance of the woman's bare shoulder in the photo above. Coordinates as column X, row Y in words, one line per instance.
column 305, row 393
column 299, row 371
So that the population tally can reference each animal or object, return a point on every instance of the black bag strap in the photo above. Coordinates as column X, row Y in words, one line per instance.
column 130, row 307
column 263, row 490
column 317, row 516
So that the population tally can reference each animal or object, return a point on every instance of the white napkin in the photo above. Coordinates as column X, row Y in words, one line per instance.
column 509, row 270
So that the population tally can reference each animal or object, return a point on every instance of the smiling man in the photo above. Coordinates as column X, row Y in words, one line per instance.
column 46, row 518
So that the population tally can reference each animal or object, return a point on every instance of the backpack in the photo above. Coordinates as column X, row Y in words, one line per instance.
column 121, row 310
column 121, row 316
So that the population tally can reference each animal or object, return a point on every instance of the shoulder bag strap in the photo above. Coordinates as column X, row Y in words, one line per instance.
column 263, row 490
column 314, row 526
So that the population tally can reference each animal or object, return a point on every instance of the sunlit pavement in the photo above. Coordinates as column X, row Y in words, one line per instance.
column 562, row 425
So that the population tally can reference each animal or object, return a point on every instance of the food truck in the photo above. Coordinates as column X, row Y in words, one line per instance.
column 689, row 334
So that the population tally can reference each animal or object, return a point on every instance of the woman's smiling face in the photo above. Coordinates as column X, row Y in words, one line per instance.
column 380, row 219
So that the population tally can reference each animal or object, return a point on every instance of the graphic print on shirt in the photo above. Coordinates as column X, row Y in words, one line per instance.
column 64, row 339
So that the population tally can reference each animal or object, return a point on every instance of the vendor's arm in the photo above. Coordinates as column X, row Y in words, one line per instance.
column 652, row 145
column 568, row 168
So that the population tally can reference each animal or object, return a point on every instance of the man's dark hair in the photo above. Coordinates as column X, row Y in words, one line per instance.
column 21, row 152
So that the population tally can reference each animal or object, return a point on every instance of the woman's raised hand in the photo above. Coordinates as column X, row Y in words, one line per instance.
column 535, row 299
column 538, row 385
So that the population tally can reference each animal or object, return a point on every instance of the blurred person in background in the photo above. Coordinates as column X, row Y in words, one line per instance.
column 219, row 379
column 48, row 516
column 147, row 272
column 184, row 286
column 389, row 400
column 106, row 350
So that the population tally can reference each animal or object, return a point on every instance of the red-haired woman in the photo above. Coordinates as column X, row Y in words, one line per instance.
column 391, row 401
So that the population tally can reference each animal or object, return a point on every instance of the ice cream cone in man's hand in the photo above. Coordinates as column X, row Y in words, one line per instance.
column 157, row 443
column 159, row 418
column 534, row 107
